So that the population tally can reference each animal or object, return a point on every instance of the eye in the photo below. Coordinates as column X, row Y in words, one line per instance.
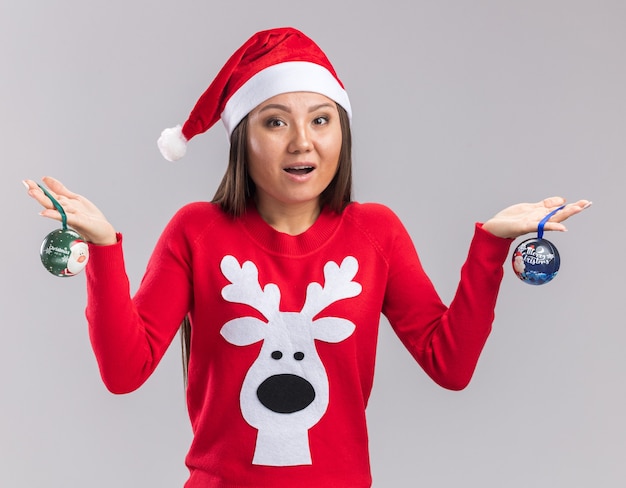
column 320, row 120
column 274, row 122
column 298, row 356
column 277, row 355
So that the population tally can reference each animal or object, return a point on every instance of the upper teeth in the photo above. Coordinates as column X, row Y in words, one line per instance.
column 300, row 168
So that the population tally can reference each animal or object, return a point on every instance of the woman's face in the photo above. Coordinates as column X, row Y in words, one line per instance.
column 294, row 140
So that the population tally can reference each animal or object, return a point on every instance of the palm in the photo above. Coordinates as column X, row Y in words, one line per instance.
column 524, row 218
column 82, row 215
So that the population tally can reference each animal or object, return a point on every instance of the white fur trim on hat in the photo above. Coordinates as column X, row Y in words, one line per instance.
column 291, row 76
column 172, row 143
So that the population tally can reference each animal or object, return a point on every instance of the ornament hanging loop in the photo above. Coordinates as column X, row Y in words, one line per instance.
column 57, row 205
column 544, row 220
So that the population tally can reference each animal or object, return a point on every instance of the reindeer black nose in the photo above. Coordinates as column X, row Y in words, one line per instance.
column 286, row 393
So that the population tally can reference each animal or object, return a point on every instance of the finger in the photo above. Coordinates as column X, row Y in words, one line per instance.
column 38, row 194
column 66, row 204
column 35, row 192
column 571, row 209
column 552, row 202
column 554, row 227
column 57, row 188
column 555, row 222
column 29, row 184
column 51, row 214
column 582, row 204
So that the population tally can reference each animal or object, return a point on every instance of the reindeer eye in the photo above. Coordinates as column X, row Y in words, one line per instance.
column 299, row 356
column 277, row 355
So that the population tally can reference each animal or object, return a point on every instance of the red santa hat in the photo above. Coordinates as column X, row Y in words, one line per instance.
column 271, row 62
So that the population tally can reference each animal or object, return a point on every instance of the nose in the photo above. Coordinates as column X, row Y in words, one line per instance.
column 300, row 140
column 285, row 393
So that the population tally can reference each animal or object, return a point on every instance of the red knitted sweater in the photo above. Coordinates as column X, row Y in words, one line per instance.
column 284, row 333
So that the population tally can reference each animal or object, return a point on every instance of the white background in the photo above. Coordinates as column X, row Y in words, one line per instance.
column 460, row 109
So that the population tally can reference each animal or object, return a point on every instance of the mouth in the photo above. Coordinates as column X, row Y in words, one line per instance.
column 299, row 170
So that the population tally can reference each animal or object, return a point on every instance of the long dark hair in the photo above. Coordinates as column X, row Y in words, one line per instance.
column 236, row 188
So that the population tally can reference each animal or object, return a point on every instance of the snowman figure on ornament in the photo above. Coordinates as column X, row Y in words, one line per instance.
column 77, row 260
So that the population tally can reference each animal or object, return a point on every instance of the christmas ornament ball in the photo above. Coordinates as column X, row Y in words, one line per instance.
column 536, row 261
column 64, row 252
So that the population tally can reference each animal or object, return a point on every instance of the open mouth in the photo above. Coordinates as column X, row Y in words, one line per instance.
column 299, row 170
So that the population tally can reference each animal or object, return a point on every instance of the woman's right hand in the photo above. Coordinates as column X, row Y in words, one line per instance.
column 82, row 215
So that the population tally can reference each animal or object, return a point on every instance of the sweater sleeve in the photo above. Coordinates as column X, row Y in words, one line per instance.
column 445, row 341
column 130, row 335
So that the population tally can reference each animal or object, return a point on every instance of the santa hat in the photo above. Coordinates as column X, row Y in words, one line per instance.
column 271, row 62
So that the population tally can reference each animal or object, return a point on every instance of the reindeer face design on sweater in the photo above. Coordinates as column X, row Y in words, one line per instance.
column 285, row 391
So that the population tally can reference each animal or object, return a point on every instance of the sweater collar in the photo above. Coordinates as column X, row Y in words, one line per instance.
column 284, row 244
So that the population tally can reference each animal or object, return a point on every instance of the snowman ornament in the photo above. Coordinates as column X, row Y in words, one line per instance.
column 79, row 255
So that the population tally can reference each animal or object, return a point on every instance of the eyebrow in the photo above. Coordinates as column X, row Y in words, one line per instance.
column 285, row 108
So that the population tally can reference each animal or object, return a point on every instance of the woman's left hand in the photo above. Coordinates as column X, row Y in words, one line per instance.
column 524, row 218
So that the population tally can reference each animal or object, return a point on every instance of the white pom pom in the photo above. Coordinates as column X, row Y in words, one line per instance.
column 172, row 143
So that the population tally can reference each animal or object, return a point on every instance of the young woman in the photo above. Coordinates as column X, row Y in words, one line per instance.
column 281, row 281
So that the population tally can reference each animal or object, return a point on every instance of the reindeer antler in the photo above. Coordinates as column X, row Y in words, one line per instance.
column 338, row 285
column 245, row 287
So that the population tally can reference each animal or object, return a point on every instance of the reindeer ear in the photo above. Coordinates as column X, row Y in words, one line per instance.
column 332, row 329
column 244, row 331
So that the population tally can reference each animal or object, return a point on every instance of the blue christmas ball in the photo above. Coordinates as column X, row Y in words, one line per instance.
column 536, row 261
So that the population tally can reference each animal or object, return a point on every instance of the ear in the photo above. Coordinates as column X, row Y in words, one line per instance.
column 332, row 329
column 244, row 331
